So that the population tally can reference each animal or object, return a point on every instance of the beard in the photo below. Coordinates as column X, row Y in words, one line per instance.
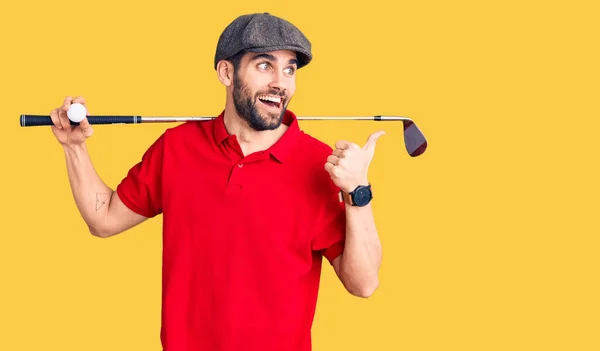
column 245, row 104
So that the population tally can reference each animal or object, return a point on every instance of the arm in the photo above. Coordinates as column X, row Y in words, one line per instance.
column 98, row 204
column 358, row 266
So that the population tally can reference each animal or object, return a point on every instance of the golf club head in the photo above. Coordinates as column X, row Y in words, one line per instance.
column 414, row 140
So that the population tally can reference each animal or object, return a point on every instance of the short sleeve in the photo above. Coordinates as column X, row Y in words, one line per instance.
column 141, row 189
column 330, row 222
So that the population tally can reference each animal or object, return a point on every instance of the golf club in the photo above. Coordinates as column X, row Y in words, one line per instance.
column 414, row 140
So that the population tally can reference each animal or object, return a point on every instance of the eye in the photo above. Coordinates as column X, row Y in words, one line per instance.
column 263, row 65
column 290, row 70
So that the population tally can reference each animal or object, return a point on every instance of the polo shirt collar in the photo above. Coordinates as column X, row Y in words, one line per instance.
column 280, row 150
column 219, row 130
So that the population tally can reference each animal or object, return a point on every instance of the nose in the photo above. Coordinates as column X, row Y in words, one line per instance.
column 278, row 81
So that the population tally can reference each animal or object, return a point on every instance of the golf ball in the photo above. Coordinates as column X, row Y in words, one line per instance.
column 76, row 112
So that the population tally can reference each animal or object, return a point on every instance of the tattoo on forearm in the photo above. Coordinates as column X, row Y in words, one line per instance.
column 101, row 199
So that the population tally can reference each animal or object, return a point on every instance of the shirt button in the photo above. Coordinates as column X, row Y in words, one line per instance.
column 240, row 165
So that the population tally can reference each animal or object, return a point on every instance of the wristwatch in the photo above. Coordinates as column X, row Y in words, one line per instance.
column 361, row 196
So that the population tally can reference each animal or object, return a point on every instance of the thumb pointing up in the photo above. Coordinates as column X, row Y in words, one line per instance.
column 372, row 140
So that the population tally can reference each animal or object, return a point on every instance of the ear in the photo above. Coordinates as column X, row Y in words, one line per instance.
column 225, row 72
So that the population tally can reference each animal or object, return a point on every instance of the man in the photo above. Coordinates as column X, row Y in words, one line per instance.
column 250, row 203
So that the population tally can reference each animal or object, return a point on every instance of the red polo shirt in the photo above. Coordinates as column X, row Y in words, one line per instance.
column 243, row 236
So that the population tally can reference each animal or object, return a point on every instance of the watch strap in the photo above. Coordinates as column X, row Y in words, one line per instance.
column 347, row 198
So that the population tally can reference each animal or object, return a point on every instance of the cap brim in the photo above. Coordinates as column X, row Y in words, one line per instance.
column 304, row 57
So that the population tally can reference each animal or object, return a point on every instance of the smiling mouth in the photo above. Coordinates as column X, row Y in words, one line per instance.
column 271, row 101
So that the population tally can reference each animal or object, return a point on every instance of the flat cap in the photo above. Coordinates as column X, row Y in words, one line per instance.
column 262, row 32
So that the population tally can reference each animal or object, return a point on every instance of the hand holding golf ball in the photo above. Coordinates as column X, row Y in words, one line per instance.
column 349, row 163
column 71, row 110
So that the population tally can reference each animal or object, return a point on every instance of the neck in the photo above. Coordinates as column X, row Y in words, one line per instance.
column 249, row 139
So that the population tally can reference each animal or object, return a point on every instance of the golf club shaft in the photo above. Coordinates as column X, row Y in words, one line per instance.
column 414, row 139
column 44, row 120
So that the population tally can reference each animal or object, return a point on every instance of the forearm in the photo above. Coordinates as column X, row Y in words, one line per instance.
column 361, row 259
column 91, row 194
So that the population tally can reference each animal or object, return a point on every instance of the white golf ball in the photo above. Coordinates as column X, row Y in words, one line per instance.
column 76, row 112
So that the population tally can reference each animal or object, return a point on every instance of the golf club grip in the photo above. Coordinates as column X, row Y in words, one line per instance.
column 39, row 120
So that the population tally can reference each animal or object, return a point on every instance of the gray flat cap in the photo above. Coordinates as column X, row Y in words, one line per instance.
column 262, row 32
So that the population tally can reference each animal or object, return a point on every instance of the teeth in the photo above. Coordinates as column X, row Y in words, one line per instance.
column 270, row 98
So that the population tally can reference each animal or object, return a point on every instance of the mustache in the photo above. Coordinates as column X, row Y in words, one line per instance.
column 272, row 92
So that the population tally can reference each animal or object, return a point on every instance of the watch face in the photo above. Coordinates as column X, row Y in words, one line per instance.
column 362, row 196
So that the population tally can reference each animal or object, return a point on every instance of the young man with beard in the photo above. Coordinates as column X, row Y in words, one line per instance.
column 250, row 203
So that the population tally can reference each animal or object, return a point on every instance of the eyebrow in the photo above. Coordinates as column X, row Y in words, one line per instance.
column 272, row 58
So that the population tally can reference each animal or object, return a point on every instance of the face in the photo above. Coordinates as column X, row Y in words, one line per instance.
column 263, row 86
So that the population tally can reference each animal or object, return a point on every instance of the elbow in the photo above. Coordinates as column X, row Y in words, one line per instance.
column 364, row 290
column 100, row 232
column 367, row 290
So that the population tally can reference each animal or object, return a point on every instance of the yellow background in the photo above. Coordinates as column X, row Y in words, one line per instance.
column 490, row 238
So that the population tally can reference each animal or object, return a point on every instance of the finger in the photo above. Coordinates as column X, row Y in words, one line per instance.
column 336, row 171
column 343, row 145
column 86, row 128
column 373, row 139
column 62, row 112
column 66, row 103
column 339, row 153
column 54, row 118
column 63, row 118
column 79, row 100
column 333, row 159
